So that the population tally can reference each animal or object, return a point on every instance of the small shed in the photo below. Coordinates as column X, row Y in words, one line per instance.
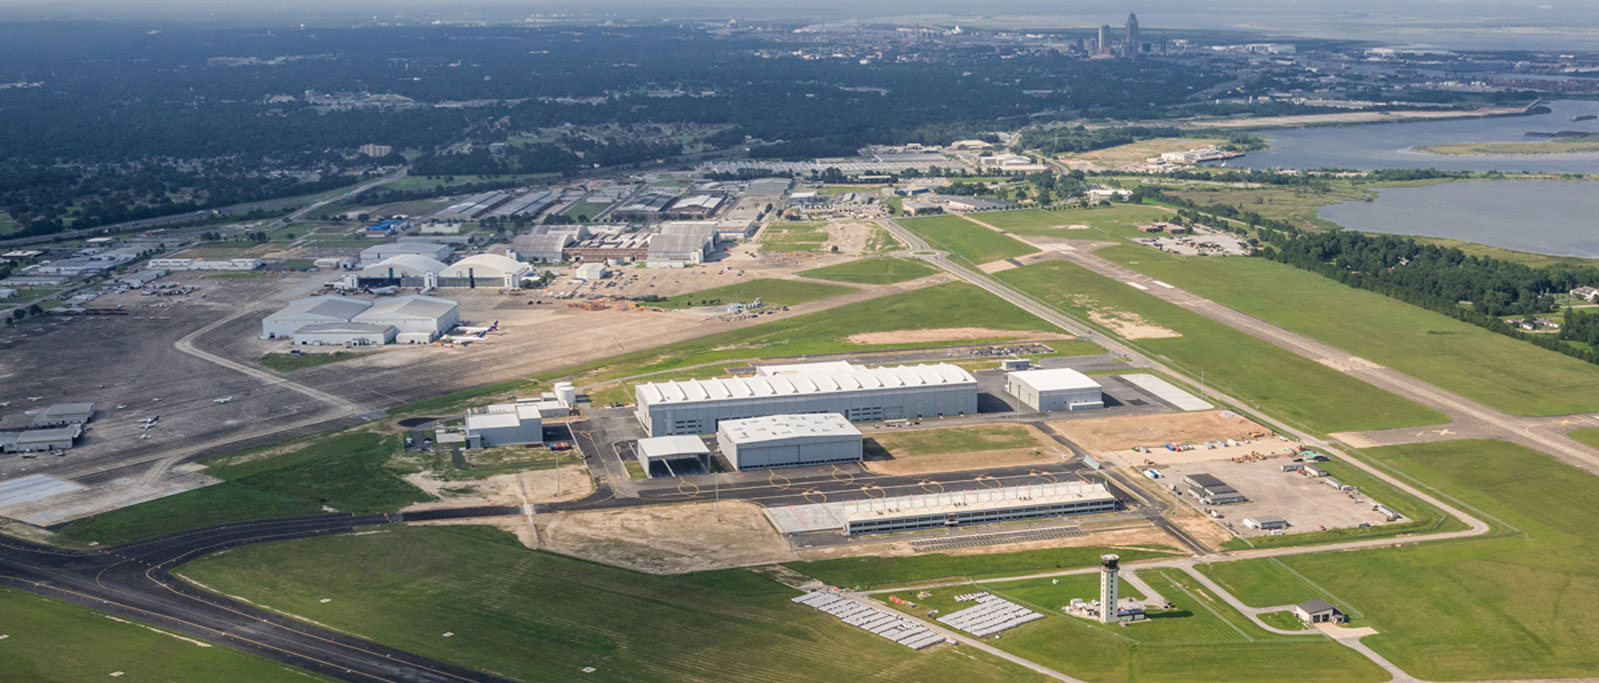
column 1318, row 611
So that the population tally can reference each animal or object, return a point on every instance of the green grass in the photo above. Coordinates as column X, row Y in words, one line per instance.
column 48, row 640
column 966, row 240
column 1519, row 603
column 956, row 440
column 286, row 362
column 1266, row 583
column 1120, row 220
column 1493, row 369
column 876, row 572
column 873, row 271
column 457, row 401
column 1284, row 620
column 828, row 331
column 771, row 292
column 540, row 617
column 793, row 237
column 1298, row 389
column 1024, row 221
column 1587, row 436
column 589, row 209
column 345, row 471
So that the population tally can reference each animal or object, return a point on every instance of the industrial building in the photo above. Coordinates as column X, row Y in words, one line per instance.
column 526, row 204
column 1212, row 491
column 589, row 272
column 62, row 415
column 233, row 264
column 666, row 450
column 344, row 334
column 650, row 205
column 626, row 247
column 473, row 207
column 1055, row 389
column 379, row 252
column 940, row 510
column 1266, row 522
column 40, row 440
column 405, row 270
column 682, row 243
column 484, row 270
column 505, row 424
column 417, row 318
column 547, row 243
column 788, row 441
column 858, row 393
column 314, row 310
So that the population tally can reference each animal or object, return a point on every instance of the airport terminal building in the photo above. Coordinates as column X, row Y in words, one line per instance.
column 858, row 393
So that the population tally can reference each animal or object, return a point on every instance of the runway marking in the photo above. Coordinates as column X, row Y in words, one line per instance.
column 772, row 477
column 1445, row 432
column 850, row 481
column 681, row 482
column 924, row 484
column 1137, row 286
column 984, row 477
column 1044, row 475
column 1158, row 282
column 867, row 489
column 820, row 497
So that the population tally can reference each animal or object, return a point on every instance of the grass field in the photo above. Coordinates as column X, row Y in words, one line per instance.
column 48, row 640
column 1024, row 221
column 793, row 237
column 965, row 240
column 286, row 362
column 1143, row 149
column 771, row 292
column 1520, row 603
column 1561, row 146
column 828, row 331
column 1587, row 436
column 873, row 271
column 956, row 440
column 8, row 225
column 344, row 471
column 1496, row 370
column 586, row 209
column 1119, row 220
column 874, row 572
column 539, row 617
column 1201, row 639
column 1300, row 390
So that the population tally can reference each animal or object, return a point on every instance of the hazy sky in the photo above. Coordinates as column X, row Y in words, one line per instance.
column 1494, row 24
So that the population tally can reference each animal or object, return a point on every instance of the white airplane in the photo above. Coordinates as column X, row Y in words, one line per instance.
column 224, row 399
column 144, row 436
column 5, row 404
column 120, row 406
column 479, row 331
column 149, row 420
column 35, row 398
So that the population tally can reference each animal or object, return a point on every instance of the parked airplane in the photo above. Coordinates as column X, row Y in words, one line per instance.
column 224, row 399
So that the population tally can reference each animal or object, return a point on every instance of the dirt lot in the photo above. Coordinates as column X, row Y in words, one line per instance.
column 857, row 239
column 949, row 334
column 1308, row 503
column 667, row 539
column 1119, row 433
column 504, row 489
column 1124, row 323
column 905, row 463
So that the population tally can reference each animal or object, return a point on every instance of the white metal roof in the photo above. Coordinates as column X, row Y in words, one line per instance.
column 1055, row 379
column 486, row 266
column 335, row 328
column 492, row 421
column 823, row 382
column 332, row 307
column 410, row 306
column 975, row 500
column 403, row 264
column 681, row 445
column 756, row 430
column 428, row 249
column 802, row 368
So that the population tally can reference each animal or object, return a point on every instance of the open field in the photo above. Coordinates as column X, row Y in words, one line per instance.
column 873, row 271
column 966, row 240
column 877, row 572
column 1132, row 153
column 771, row 292
column 1023, row 221
column 1587, row 436
column 1560, row 146
column 585, row 210
column 1493, row 369
column 345, row 471
column 535, row 616
column 1123, row 432
column 1120, row 220
column 47, row 640
column 1517, row 604
column 1200, row 639
column 1300, row 389
column 793, row 237
column 1297, row 205
column 921, row 451
column 667, row 539
column 286, row 362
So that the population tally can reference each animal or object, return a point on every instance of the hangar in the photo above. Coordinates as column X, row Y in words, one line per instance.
column 63, row 414
column 484, row 270
column 313, row 310
column 788, row 441
column 1055, row 389
column 417, row 318
column 859, row 393
column 344, row 334
column 406, row 270
column 682, row 243
column 36, row 440
column 505, row 424
column 380, row 252
column 666, row 450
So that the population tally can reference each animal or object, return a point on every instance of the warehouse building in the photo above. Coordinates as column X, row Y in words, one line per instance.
column 484, row 270
column 379, row 252
column 788, row 441
column 417, row 318
column 1212, row 491
column 405, row 270
column 673, row 455
column 682, row 243
column 474, row 206
column 858, row 393
column 313, row 310
column 589, row 272
column 547, row 243
column 63, row 415
column 650, row 205
column 344, row 334
column 1055, row 389
column 981, row 506
column 505, row 424
column 40, row 440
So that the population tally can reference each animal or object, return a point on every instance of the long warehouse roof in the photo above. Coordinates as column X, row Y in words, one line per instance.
column 828, row 380
column 976, row 500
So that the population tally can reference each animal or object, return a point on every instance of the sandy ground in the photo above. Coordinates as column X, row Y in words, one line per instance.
column 667, row 539
column 1352, row 117
column 1118, row 433
column 997, row 266
column 1125, row 324
column 504, row 489
column 856, row 238
column 1122, row 537
column 942, row 334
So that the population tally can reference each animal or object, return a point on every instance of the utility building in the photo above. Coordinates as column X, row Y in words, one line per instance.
column 417, row 319
column 1055, row 389
column 858, row 393
column 506, row 424
column 788, row 441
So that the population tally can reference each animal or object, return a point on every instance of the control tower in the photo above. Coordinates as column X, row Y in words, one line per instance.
column 1107, row 588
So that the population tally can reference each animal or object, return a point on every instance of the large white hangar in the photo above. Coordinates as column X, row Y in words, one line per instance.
column 484, row 270
column 405, row 270
column 416, row 318
column 313, row 310
column 788, row 441
column 1055, row 389
column 380, row 252
column 860, row 394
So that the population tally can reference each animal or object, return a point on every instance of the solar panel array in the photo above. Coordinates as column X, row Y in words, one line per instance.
column 886, row 624
column 991, row 615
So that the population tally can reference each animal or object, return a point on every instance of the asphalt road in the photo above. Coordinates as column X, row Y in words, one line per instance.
column 133, row 581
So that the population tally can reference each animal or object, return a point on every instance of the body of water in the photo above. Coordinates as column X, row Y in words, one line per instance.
column 1545, row 217
column 1389, row 145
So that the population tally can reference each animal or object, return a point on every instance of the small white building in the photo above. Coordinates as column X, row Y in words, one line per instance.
column 401, row 267
column 666, row 450
column 379, row 252
column 589, row 272
column 417, row 318
column 344, row 334
column 1055, row 389
column 506, row 424
column 314, row 310
column 788, row 441
column 484, row 270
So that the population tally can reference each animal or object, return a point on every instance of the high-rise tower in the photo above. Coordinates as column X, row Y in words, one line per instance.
column 1107, row 588
column 1104, row 39
column 1133, row 40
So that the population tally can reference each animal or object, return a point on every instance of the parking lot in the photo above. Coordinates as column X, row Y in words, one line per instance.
column 1308, row 503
